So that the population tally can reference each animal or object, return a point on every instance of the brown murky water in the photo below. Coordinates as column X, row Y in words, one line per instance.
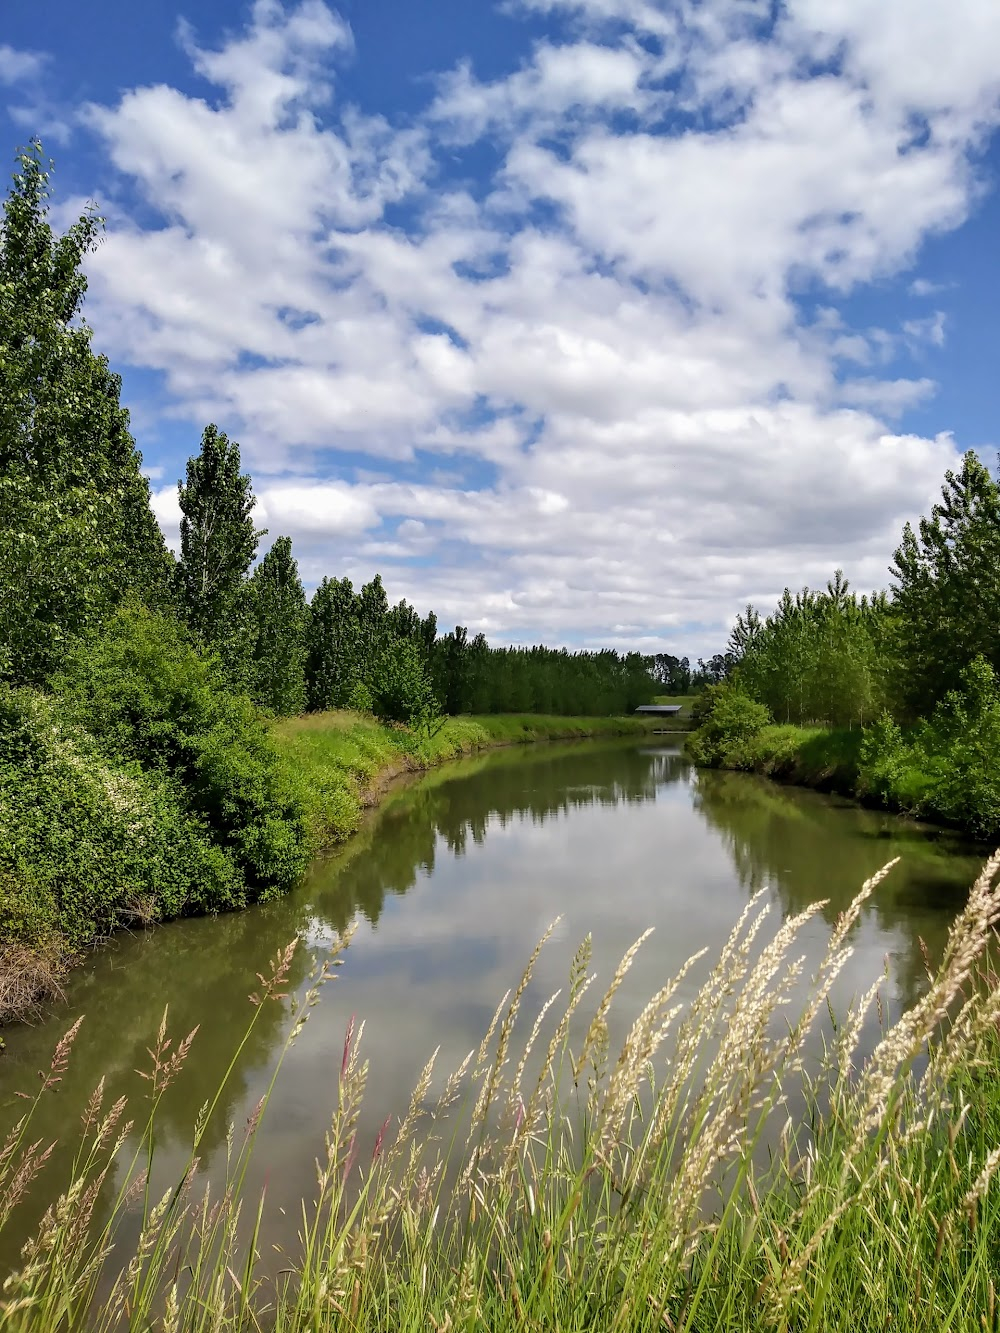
column 452, row 881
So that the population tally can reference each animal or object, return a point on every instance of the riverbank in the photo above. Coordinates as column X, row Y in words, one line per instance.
column 825, row 759
column 879, row 767
column 330, row 768
column 342, row 762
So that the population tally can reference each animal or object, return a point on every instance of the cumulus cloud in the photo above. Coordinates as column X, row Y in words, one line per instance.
column 572, row 80
column 588, row 400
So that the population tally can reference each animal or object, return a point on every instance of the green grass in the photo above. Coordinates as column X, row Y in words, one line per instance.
column 681, row 721
column 552, row 1183
column 820, row 757
column 340, row 760
column 960, row 792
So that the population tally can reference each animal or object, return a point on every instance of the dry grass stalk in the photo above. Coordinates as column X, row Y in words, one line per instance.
column 593, row 1191
column 30, row 976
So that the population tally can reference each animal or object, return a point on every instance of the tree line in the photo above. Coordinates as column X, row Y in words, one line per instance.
column 913, row 673
column 835, row 657
column 820, row 655
column 348, row 647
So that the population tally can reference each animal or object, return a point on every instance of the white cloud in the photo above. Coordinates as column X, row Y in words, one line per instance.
column 19, row 66
column 604, row 336
column 329, row 509
column 924, row 287
column 890, row 397
column 929, row 330
column 166, row 507
column 575, row 79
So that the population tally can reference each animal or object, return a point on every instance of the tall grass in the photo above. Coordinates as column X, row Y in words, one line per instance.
column 558, row 1183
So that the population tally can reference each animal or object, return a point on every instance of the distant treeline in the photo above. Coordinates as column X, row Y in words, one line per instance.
column 347, row 647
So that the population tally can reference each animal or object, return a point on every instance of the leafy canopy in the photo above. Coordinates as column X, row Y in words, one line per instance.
column 77, row 535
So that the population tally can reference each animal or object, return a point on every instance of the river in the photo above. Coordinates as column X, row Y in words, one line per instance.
column 452, row 881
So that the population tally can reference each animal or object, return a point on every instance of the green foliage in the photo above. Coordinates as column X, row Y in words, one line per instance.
column 946, row 767
column 360, row 700
column 918, row 672
column 819, row 657
column 374, row 631
column 672, row 674
column 280, row 616
column 403, row 691
column 470, row 676
column 360, row 648
column 218, row 546
column 144, row 690
column 886, row 768
column 946, row 588
column 827, row 760
column 89, row 842
column 727, row 718
column 76, row 531
column 332, row 646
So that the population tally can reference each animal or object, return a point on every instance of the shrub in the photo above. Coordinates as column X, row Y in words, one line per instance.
column 359, row 698
column 152, row 700
column 402, row 691
column 884, row 758
column 88, row 844
column 727, row 718
column 945, row 767
column 964, row 739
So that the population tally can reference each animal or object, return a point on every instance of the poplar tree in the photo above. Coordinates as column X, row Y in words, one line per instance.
column 332, row 644
column 77, row 535
column 428, row 637
column 374, row 630
column 279, row 616
column 218, row 546
column 946, row 587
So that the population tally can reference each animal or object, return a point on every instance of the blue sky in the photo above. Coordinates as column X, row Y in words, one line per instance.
column 582, row 321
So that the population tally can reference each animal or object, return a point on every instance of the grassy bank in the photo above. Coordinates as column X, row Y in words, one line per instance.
column 943, row 767
column 823, row 758
column 341, row 761
column 948, row 777
column 682, row 721
column 553, row 1184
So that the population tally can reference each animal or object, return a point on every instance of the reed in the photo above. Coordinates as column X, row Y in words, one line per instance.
column 556, row 1183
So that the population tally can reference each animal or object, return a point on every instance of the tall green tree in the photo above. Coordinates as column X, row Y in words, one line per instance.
column 218, row 546
column 375, row 630
column 332, row 645
column 818, row 657
column 279, row 616
column 77, row 535
column 946, row 588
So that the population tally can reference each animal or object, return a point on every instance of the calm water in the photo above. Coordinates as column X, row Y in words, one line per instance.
column 453, row 880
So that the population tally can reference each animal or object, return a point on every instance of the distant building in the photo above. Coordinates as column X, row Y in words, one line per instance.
column 659, row 708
